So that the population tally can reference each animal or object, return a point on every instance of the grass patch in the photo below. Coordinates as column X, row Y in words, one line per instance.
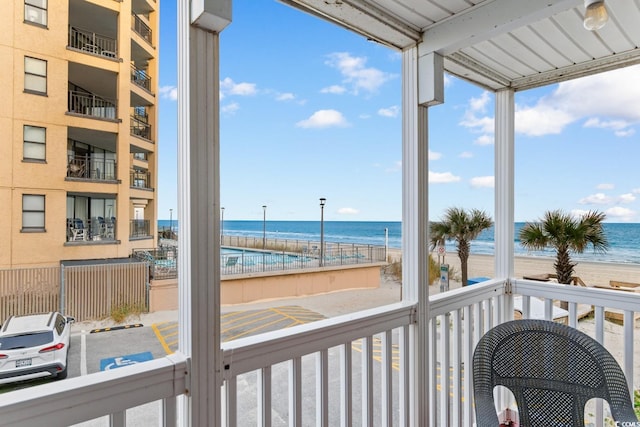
column 395, row 269
column 122, row 312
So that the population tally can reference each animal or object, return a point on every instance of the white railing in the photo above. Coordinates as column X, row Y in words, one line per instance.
column 268, row 377
column 107, row 393
column 314, row 362
column 459, row 318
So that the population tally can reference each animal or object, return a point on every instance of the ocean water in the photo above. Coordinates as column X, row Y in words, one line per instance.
column 624, row 238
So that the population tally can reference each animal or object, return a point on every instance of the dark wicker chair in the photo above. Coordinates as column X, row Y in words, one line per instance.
column 552, row 370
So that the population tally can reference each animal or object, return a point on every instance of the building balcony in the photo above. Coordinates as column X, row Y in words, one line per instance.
column 91, row 168
column 90, row 42
column 140, row 128
column 91, row 105
column 139, row 228
column 141, row 28
column 98, row 229
column 275, row 368
column 140, row 78
column 140, row 179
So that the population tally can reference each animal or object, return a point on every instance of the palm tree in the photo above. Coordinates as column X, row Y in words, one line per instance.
column 565, row 234
column 463, row 227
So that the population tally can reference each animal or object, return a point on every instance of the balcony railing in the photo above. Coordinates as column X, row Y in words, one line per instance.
column 91, row 230
column 140, row 78
column 140, row 179
column 343, row 365
column 139, row 228
column 88, row 167
column 90, row 42
column 140, row 127
column 141, row 28
column 91, row 105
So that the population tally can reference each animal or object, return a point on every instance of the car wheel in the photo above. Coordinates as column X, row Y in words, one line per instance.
column 62, row 374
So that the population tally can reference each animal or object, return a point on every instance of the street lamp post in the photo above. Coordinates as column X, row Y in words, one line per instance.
column 171, row 223
column 264, row 226
column 222, row 227
column 322, row 202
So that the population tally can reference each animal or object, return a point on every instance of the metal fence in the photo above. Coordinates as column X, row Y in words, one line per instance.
column 93, row 291
column 282, row 254
column 89, row 104
column 163, row 262
column 90, row 42
column 85, row 292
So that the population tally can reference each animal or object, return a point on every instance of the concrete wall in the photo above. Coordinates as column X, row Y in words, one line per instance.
column 163, row 294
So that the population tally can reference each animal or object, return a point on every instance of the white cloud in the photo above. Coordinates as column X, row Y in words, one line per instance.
column 474, row 116
column 619, row 214
column 389, row 112
column 334, row 89
column 605, row 186
column 479, row 105
column 636, row 191
column 169, row 92
column 466, row 155
column 541, row 119
column 596, row 199
column 627, row 198
column 230, row 108
column 442, row 177
column 285, row 97
column 364, row 116
column 348, row 211
column 229, row 87
column 602, row 100
column 324, row 119
column 433, row 155
column 484, row 140
column 356, row 74
column 482, row 182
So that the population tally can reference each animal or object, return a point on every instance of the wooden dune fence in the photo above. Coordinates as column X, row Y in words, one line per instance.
column 29, row 290
column 88, row 292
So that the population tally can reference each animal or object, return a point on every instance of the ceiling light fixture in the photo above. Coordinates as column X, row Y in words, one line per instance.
column 595, row 15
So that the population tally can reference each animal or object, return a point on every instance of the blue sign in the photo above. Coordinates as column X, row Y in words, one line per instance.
column 130, row 359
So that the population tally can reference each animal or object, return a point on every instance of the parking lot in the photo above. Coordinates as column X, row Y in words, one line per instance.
column 95, row 350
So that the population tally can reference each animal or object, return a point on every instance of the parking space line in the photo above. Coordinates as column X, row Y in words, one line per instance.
column 83, row 353
column 161, row 339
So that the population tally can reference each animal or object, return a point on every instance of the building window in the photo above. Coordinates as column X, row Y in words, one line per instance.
column 35, row 11
column 34, row 143
column 32, row 212
column 35, row 75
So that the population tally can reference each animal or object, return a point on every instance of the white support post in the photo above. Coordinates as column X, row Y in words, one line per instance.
column 199, row 208
column 504, row 188
column 424, row 72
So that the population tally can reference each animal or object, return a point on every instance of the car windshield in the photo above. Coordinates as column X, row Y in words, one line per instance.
column 25, row 340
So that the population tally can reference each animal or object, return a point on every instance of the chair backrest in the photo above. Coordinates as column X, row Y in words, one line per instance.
column 551, row 369
column 78, row 223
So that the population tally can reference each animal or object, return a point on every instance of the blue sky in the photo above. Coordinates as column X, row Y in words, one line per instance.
column 310, row 110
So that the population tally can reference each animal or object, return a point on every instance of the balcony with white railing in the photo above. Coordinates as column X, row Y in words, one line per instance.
column 345, row 369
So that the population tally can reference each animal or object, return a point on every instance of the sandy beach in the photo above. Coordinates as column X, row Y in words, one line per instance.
column 591, row 273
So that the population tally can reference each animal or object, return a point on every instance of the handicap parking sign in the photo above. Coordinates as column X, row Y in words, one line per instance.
column 129, row 359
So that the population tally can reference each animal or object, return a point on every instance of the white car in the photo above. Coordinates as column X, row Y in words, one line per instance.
column 34, row 346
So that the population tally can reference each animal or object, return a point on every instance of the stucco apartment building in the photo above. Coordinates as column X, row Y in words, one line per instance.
column 78, row 126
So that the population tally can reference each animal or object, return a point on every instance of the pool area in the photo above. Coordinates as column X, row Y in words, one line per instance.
column 241, row 261
column 163, row 261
